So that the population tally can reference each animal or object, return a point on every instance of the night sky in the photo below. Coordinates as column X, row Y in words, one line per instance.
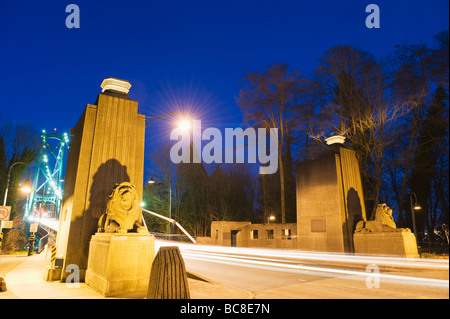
column 180, row 54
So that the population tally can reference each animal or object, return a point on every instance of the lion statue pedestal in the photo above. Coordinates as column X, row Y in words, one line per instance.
column 121, row 253
column 382, row 237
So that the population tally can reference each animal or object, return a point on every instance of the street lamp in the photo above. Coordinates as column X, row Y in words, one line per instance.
column 271, row 217
column 414, row 207
column 25, row 187
column 151, row 181
column 184, row 122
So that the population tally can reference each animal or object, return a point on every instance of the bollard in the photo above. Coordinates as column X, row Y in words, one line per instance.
column 31, row 244
column 168, row 279
column 3, row 285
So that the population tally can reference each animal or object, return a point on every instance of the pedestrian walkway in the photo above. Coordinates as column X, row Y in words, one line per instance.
column 24, row 280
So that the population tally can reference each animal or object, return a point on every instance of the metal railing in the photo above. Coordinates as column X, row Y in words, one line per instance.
column 172, row 221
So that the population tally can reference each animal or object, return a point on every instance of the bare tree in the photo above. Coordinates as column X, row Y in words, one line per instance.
column 412, row 80
column 269, row 98
column 365, row 112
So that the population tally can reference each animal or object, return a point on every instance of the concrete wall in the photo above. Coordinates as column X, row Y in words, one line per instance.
column 329, row 201
column 221, row 232
column 319, row 226
column 352, row 199
column 269, row 235
column 278, row 236
column 399, row 244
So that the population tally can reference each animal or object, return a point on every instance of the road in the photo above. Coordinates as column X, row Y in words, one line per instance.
column 287, row 274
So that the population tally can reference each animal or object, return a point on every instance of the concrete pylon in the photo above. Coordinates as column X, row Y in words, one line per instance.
column 330, row 200
column 107, row 148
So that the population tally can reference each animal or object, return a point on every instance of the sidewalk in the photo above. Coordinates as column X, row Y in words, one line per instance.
column 24, row 281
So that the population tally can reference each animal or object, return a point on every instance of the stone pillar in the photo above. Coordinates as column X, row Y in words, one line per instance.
column 329, row 201
column 107, row 148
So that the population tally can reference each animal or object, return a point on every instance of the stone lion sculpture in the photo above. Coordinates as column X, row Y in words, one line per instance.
column 123, row 212
column 384, row 222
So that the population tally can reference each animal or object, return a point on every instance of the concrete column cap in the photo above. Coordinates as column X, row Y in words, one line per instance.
column 117, row 85
column 336, row 139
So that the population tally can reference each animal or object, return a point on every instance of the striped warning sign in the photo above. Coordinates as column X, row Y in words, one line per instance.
column 52, row 259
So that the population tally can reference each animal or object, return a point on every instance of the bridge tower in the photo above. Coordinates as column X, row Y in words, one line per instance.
column 46, row 196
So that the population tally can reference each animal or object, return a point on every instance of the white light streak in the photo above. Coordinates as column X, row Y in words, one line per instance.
column 322, row 264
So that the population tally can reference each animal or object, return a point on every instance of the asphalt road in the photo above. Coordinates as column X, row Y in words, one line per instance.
column 287, row 274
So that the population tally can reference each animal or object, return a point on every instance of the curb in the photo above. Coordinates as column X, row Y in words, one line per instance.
column 199, row 278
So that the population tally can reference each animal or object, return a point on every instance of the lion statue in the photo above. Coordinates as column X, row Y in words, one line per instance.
column 123, row 212
column 384, row 222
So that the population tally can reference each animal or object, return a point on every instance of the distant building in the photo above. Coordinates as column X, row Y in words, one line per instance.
column 246, row 234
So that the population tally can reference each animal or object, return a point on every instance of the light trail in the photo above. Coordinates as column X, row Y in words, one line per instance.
column 302, row 268
column 437, row 264
column 294, row 261
column 51, row 223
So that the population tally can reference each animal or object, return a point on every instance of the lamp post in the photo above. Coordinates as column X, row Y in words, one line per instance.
column 152, row 181
column 414, row 207
column 184, row 122
column 26, row 186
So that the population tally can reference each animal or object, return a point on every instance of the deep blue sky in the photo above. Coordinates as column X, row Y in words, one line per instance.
column 191, row 53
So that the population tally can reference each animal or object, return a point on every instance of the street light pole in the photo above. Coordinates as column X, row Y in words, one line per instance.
column 414, row 207
column 153, row 119
column 151, row 181
column 170, row 207
column 26, row 184
column 184, row 124
column 26, row 187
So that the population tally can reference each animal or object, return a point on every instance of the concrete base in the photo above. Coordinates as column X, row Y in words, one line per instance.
column 120, row 264
column 399, row 244
column 50, row 274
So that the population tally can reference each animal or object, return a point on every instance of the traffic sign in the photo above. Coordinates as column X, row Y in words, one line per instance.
column 5, row 212
column 6, row 223
column 34, row 227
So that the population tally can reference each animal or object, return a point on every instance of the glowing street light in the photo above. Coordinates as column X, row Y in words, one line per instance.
column 414, row 207
column 26, row 186
column 184, row 125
